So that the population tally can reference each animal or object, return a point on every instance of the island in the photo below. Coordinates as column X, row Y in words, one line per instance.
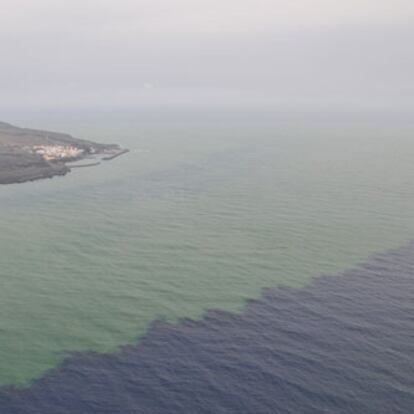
column 30, row 154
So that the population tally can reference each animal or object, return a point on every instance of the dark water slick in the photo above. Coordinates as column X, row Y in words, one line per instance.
column 344, row 344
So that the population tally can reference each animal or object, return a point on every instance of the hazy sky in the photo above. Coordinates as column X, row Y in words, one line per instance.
column 119, row 53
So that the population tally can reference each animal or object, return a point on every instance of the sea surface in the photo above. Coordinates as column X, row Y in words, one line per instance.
column 219, row 267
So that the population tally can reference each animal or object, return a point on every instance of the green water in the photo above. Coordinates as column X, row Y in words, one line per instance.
column 199, row 215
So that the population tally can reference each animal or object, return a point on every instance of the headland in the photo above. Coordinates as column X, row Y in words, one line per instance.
column 29, row 154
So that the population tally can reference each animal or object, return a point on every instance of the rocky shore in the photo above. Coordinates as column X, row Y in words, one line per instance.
column 28, row 154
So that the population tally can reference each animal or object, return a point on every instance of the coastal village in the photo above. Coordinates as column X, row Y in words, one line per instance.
column 58, row 152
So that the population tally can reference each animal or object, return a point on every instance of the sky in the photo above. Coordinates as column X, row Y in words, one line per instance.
column 206, row 53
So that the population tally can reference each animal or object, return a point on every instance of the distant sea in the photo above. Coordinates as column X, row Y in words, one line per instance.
column 219, row 267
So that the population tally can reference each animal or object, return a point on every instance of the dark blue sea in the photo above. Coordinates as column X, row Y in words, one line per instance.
column 344, row 344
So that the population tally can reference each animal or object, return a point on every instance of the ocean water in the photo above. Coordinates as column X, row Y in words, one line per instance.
column 198, row 216
column 343, row 344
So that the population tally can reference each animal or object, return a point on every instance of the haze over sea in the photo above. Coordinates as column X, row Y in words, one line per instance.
column 204, row 215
